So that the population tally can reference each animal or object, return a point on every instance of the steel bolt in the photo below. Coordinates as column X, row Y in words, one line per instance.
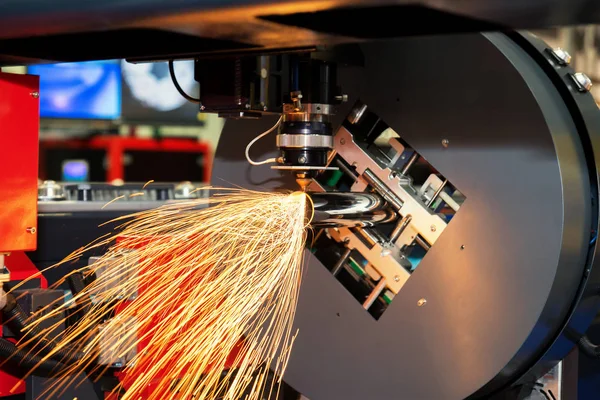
column 445, row 142
column 343, row 98
column 582, row 81
column 421, row 302
column 31, row 230
column 35, row 95
column 561, row 56
column 302, row 160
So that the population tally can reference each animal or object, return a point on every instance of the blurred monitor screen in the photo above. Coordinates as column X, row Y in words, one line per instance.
column 149, row 96
column 87, row 90
column 75, row 171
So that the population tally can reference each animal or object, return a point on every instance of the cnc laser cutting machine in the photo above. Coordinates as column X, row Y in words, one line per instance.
column 452, row 160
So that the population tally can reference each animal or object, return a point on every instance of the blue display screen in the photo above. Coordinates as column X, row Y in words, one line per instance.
column 75, row 171
column 87, row 90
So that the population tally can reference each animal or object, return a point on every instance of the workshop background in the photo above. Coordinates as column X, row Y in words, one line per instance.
column 102, row 121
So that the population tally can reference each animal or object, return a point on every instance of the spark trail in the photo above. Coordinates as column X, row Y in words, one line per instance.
column 191, row 290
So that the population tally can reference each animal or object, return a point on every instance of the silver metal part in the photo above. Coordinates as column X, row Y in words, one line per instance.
column 390, row 264
column 304, row 141
column 357, row 112
column 2, row 298
column 382, row 189
column 561, row 56
column 349, row 209
column 401, row 195
column 186, row 190
column 582, row 82
column 50, row 191
column 114, row 347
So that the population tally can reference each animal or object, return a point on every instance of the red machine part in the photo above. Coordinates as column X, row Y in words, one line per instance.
column 19, row 126
column 116, row 146
column 159, row 384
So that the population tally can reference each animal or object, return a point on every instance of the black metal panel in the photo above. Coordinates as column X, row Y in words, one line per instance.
column 516, row 154
column 36, row 30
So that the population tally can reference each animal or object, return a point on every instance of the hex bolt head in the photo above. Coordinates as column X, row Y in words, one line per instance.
column 561, row 56
column 582, row 82
column 302, row 160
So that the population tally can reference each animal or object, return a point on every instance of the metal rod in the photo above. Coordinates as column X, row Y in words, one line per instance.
column 400, row 227
column 422, row 243
column 383, row 190
column 367, row 235
column 374, row 294
column 410, row 163
column 340, row 264
column 437, row 193
column 346, row 170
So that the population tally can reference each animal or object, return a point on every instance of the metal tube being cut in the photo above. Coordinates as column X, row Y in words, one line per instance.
column 349, row 209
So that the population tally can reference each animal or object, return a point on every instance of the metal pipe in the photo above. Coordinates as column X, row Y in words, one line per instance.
column 383, row 190
column 400, row 227
column 437, row 193
column 340, row 263
column 349, row 209
column 374, row 294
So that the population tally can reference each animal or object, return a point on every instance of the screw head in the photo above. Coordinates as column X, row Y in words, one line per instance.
column 31, row 230
column 35, row 95
column 302, row 160
column 561, row 56
column 396, row 278
column 462, row 246
column 342, row 141
column 385, row 252
column 433, row 228
column 582, row 82
column 445, row 142
column 421, row 302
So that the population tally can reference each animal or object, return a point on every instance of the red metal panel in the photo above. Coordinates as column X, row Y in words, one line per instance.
column 19, row 126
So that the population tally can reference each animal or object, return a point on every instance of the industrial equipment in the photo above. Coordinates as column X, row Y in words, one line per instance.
column 452, row 162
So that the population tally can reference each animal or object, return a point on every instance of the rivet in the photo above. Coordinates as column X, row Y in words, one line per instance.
column 462, row 246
